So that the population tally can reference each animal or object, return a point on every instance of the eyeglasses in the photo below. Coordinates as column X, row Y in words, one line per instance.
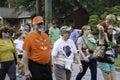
column 6, row 31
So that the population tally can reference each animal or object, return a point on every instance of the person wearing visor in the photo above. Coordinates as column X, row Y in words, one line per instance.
column 36, row 57
column 63, row 54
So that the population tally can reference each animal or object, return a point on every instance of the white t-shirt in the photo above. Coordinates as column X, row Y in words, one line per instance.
column 63, row 50
column 19, row 44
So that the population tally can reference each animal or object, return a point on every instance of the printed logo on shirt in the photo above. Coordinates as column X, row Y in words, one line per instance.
column 42, row 43
column 67, row 50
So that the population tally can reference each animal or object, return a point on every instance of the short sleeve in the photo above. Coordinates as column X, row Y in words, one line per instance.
column 80, row 41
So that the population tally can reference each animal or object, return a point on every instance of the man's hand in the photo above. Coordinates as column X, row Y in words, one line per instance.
column 52, row 68
column 28, row 74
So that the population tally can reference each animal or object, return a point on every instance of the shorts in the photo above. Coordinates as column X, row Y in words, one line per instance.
column 106, row 67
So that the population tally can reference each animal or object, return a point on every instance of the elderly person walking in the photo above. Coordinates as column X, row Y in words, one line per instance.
column 36, row 56
column 63, row 54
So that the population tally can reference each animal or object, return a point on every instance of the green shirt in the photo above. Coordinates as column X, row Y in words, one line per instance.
column 6, row 51
column 54, row 34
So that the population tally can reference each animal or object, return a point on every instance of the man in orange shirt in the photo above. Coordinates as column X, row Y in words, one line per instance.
column 36, row 55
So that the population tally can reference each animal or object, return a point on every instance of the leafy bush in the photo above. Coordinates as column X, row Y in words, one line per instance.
column 96, row 19
column 117, row 61
column 93, row 21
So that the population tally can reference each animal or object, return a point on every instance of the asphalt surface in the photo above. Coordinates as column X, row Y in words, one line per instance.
column 75, row 72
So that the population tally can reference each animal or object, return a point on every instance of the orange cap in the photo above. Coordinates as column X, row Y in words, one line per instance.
column 38, row 19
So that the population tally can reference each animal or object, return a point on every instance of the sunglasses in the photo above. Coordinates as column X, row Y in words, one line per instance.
column 6, row 31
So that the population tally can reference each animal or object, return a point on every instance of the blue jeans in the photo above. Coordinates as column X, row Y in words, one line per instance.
column 8, row 67
column 93, row 69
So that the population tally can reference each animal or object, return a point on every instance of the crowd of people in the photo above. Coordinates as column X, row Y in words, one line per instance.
column 41, row 53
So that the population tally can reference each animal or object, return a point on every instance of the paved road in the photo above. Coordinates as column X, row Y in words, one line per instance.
column 86, row 77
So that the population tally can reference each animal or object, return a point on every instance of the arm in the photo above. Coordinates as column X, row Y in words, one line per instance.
column 25, row 62
column 52, row 62
column 100, row 27
column 82, row 53
column 54, row 52
column 106, row 37
column 79, row 62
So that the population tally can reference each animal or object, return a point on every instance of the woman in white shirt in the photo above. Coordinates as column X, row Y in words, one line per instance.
column 63, row 54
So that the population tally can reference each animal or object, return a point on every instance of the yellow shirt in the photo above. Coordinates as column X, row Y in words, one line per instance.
column 6, row 51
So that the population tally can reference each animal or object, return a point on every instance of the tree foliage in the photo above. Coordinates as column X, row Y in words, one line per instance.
column 65, row 7
column 24, row 5
column 62, row 7
column 95, row 19
column 98, row 6
column 97, row 9
column 3, row 3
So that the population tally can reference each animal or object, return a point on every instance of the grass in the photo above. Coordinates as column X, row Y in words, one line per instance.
column 117, row 61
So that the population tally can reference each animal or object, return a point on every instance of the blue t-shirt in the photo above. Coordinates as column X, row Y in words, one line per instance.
column 74, row 34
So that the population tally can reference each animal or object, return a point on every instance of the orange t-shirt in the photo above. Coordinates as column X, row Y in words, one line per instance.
column 38, row 47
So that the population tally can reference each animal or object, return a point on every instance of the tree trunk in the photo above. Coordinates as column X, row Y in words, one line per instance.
column 48, row 12
column 38, row 7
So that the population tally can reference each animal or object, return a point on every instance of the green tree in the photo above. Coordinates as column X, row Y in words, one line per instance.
column 65, row 7
column 28, row 5
column 98, row 6
column 3, row 3
column 95, row 19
